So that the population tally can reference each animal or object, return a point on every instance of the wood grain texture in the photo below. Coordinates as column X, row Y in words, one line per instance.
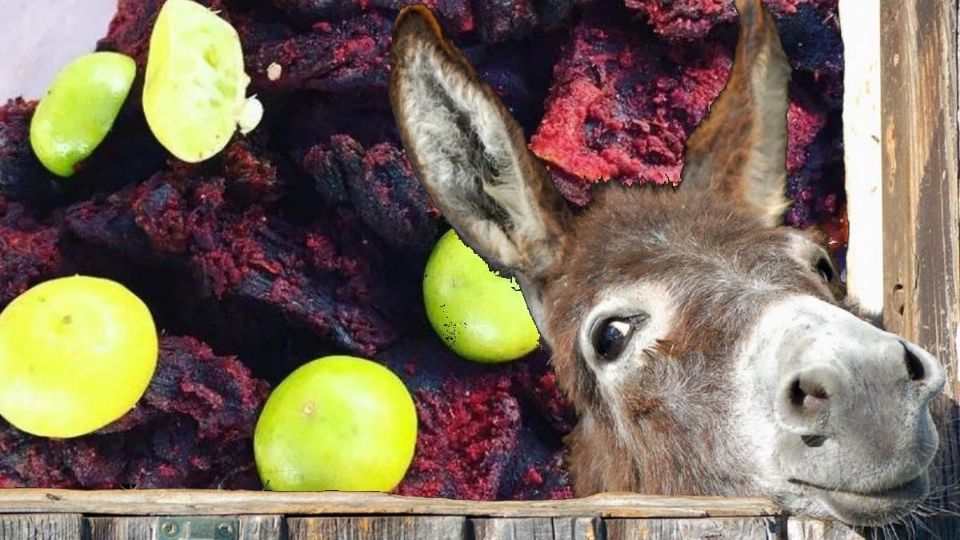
column 536, row 529
column 40, row 527
column 119, row 528
column 262, row 528
column 193, row 502
column 381, row 527
column 920, row 195
column 713, row 529
column 123, row 528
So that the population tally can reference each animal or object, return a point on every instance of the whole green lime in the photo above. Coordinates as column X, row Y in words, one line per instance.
column 76, row 353
column 337, row 423
column 79, row 109
column 479, row 314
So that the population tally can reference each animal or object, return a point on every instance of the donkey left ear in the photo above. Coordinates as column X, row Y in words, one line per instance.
column 740, row 148
column 470, row 154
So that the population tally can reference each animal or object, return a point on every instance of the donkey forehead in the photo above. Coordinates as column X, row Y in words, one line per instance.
column 706, row 255
column 648, row 234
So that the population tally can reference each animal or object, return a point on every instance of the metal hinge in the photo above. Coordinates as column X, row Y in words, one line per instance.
column 198, row 528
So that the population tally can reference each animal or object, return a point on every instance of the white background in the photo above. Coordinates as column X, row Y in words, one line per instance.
column 38, row 37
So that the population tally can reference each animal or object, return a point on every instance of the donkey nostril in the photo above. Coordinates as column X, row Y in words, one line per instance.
column 915, row 368
column 797, row 395
column 813, row 441
column 807, row 394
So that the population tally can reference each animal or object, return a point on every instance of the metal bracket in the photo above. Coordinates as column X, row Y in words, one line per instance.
column 198, row 528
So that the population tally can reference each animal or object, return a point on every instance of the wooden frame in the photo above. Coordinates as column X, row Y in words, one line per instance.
column 920, row 248
column 920, row 192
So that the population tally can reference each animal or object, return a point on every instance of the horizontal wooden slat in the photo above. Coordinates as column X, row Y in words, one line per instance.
column 123, row 528
column 536, row 529
column 40, row 527
column 378, row 528
column 714, row 529
column 184, row 502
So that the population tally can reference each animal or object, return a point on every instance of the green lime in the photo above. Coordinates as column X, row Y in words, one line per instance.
column 76, row 353
column 79, row 109
column 195, row 86
column 479, row 314
column 338, row 423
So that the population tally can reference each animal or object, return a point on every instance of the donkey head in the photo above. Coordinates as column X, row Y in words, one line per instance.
column 706, row 348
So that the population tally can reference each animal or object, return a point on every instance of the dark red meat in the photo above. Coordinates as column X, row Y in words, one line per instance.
column 29, row 250
column 317, row 276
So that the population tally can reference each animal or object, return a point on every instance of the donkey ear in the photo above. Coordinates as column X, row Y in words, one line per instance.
column 470, row 154
column 740, row 148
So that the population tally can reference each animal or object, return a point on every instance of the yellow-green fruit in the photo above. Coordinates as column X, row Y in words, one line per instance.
column 79, row 109
column 479, row 314
column 76, row 353
column 195, row 86
column 338, row 423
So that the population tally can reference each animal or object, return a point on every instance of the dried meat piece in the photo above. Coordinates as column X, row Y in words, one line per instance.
column 500, row 20
column 482, row 427
column 467, row 436
column 22, row 176
column 29, row 250
column 622, row 105
column 179, row 220
column 695, row 19
column 351, row 56
column 380, row 184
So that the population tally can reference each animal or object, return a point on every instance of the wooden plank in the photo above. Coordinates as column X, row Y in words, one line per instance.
column 688, row 529
column 109, row 528
column 187, row 502
column 123, row 528
column 940, row 528
column 261, row 528
column 378, row 528
column 536, row 529
column 921, row 196
column 40, row 527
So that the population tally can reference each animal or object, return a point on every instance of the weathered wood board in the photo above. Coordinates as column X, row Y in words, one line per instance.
column 212, row 502
column 40, row 527
column 921, row 199
column 393, row 527
column 537, row 529
column 123, row 528
column 694, row 529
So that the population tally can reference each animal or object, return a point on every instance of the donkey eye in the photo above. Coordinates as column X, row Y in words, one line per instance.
column 825, row 268
column 612, row 336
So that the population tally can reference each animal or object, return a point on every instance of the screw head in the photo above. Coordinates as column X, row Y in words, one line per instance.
column 225, row 530
column 169, row 528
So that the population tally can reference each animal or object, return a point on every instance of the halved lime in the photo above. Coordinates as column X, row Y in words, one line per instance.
column 79, row 109
column 195, row 86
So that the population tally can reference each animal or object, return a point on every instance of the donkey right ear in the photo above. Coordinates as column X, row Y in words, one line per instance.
column 470, row 154
column 740, row 149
